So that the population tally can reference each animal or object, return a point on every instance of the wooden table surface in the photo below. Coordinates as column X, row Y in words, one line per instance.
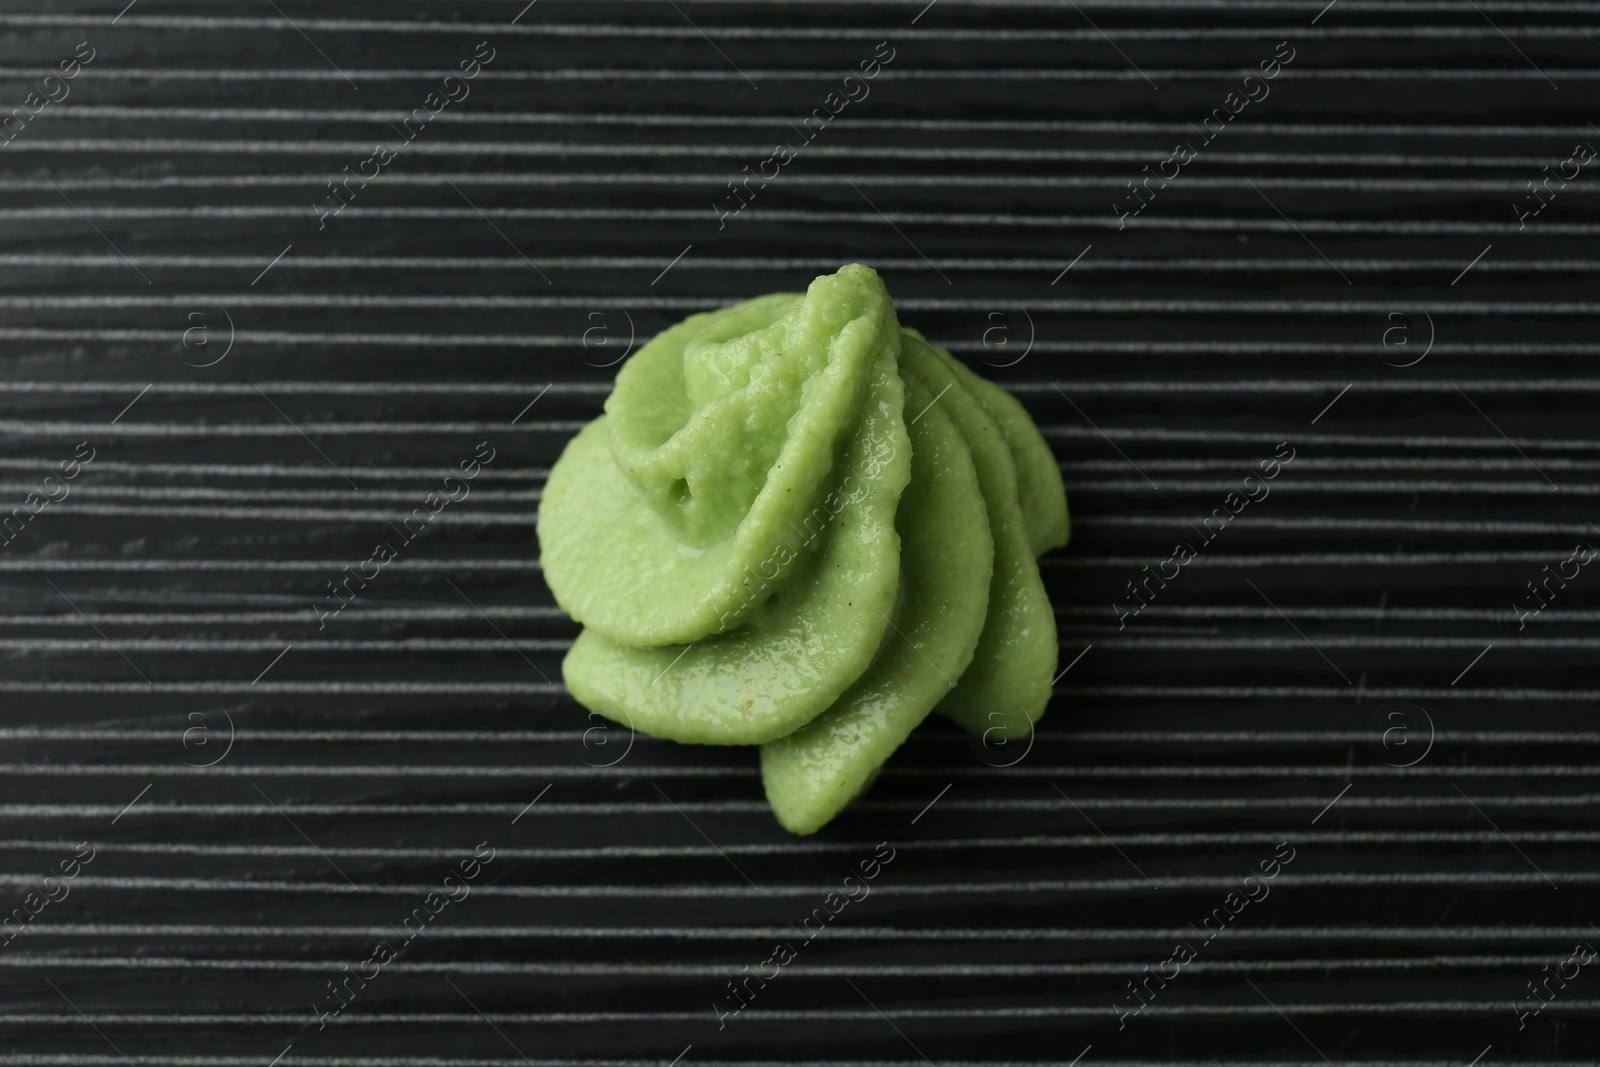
column 1325, row 792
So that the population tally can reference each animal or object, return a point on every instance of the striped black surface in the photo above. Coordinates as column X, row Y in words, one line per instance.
column 1339, row 674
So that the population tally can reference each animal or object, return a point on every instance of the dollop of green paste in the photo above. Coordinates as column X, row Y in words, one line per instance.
column 800, row 526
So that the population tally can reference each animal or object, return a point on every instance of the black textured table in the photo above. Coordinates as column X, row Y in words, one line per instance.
column 1319, row 780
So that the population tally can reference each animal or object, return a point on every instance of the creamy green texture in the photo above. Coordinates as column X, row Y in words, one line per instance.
column 799, row 526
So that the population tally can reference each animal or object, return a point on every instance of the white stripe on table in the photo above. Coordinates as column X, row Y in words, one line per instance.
column 613, row 31
column 844, row 121
column 1271, row 439
column 851, row 933
column 185, row 492
column 279, row 429
column 287, row 514
column 409, row 644
column 344, row 301
column 315, row 388
column 294, row 566
column 1317, row 611
column 568, row 149
column 656, row 178
column 675, row 970
column 1097, row 221
column 763, row 810
column 353, row 615
column 1409, row 72
column 1351, row 485
column 735, row 263
column 281, row 470
column 1304, row 559
column 1431, row 879
column 1082, row 841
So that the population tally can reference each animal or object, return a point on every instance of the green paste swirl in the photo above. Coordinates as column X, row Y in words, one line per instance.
column 800, row 526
